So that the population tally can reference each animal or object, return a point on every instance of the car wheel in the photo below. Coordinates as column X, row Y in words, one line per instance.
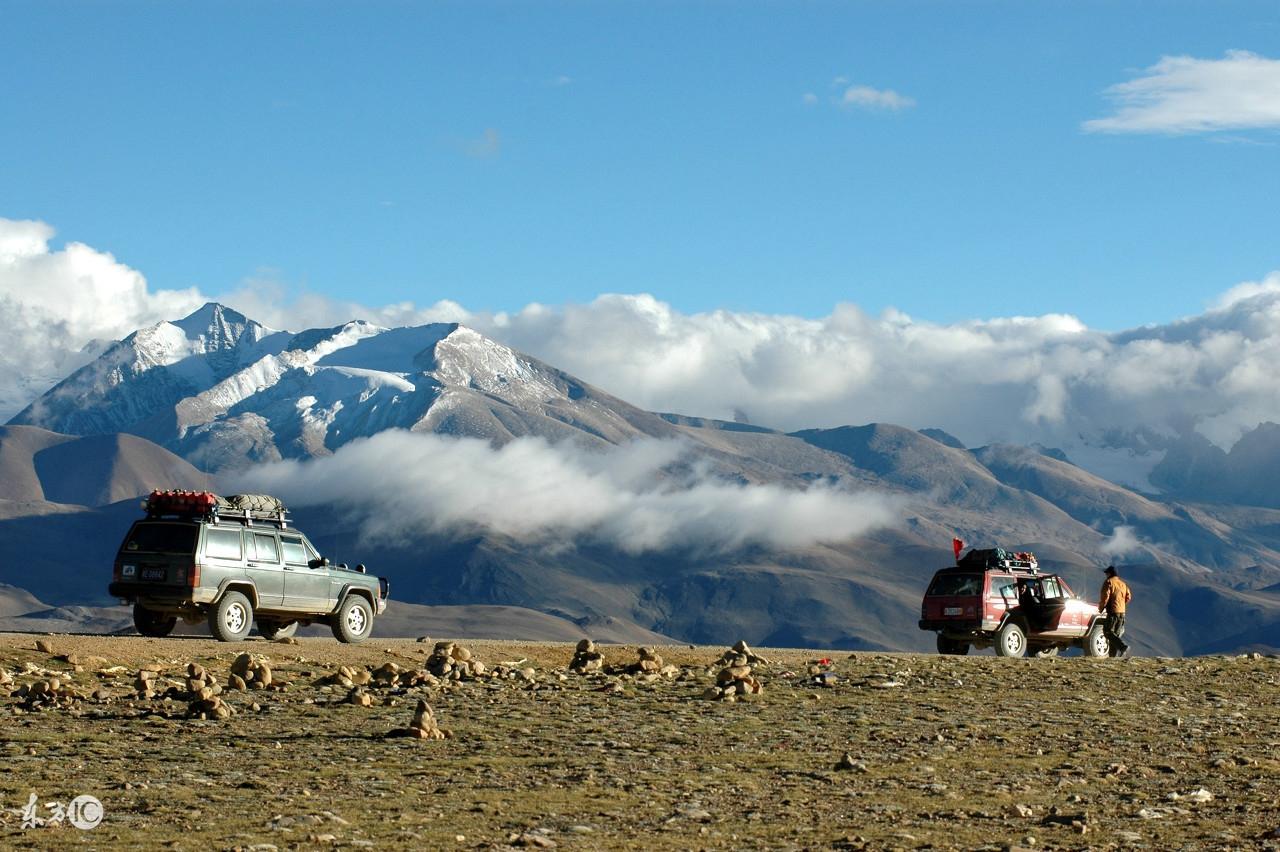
column 952, row 646
column 276, row 629
column 1095, row 642
column 152, row 623
column 231, row 618
column 353, row 621
column 1011, row 640
column 1047, row 651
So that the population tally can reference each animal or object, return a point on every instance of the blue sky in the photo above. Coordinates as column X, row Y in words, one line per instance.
column 501, row 154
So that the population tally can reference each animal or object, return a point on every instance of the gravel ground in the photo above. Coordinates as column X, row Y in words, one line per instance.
column 865, row 751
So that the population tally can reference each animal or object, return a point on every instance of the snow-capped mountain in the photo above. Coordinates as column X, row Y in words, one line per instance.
column 222, row 390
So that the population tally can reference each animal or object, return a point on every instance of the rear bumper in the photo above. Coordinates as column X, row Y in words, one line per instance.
column 172, row 597
column 951, row 625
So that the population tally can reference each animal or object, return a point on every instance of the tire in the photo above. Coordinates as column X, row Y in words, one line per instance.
column 1011, row 640
column 276, row 629
column 1095, row 641
column 353, row 622
column 152, row 623
column 952, row 646
column 1047, row 651
column 231, row 618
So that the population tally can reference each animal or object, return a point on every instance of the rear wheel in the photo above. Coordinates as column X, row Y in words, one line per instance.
column 231, row 618
column 1011, row 640
column 268, row 629
column 952, row 646
column 152, row 623
column 353, row 621
column 1095, row 641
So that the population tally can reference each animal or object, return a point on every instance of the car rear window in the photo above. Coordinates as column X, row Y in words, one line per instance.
column 956, row 584
column 159, row 537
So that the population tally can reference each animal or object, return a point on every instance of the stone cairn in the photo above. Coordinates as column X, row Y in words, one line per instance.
column 735, row 678
column 46, row 693
column 205, row 694
column 451, row 660
column 649, row 663
column 423, row 726
column 250, row 672
column 586, row 658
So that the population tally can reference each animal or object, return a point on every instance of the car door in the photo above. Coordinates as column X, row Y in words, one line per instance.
column 306, row 589
column 265, row 568
column 1044, row 605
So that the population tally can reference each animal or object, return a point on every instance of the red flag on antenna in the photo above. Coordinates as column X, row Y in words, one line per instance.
column 957, row 545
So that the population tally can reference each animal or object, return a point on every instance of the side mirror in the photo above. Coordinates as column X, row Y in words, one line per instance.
column 322, row 562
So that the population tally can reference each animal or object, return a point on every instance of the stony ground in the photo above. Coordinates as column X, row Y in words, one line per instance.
column 870, row 751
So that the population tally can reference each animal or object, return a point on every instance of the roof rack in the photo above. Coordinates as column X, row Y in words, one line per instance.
column 205, row 505
column 999, row 559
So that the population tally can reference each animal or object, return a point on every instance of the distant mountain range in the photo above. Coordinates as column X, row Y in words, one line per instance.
column 216, row 393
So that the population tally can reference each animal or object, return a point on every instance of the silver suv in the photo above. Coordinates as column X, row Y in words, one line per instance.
column 198, row 556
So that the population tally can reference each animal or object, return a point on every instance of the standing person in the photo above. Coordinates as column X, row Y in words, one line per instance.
column 1113, row 600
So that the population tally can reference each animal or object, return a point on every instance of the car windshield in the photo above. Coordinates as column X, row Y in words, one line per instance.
column 155, row 537
column 955, row 584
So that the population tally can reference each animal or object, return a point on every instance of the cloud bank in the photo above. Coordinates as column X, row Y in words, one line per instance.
column 401, row 485
column 54, row 303
column 1047, row 379
column 1182, row 94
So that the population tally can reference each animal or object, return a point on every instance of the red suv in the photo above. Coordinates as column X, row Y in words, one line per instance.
column 992, row 597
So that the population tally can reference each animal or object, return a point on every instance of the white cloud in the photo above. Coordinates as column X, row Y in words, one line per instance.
column 54, row 302
column 400, row 485
column 866, row 97
column 809, row 99
column 1182, row 94
column 1122, row 541
column 1047, row 379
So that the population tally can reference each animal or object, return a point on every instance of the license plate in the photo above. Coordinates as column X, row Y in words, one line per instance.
column 952, row 610
column 153, row 573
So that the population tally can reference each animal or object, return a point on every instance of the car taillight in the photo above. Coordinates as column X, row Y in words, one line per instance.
column 193, row 576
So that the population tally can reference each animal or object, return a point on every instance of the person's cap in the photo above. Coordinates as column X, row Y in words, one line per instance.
column 1111, row 569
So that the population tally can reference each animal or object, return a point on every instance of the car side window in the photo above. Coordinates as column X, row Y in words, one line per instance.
column 268, row 549
column 222, row 544
column 1051, row 589
column 293, row 551
column 1004, row 587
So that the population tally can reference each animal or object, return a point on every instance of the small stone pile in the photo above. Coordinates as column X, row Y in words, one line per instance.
column 453, row 661
column 586, row 658
column 53, row 692
column 249, row 672
column 205, row 694
column 741, row 655
column 649, row 663
column 423, row 726
column 735, row 677
column 145, row 683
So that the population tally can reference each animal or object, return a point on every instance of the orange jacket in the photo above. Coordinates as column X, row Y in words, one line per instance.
column 1115, row 596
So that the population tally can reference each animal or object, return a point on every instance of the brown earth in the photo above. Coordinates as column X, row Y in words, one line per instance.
column 894, row 751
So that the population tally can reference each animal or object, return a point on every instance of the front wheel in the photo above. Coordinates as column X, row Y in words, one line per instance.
column 276, row 629
column 353, row 621
column 1011, row 641
column 952, row 646
column 231, row 618
column 1095, row 641
column 152, row 623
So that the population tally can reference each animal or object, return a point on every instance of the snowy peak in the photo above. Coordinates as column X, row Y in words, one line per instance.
column 223, row 390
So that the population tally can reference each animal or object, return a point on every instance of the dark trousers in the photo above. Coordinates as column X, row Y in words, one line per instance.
column 1113, row 629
